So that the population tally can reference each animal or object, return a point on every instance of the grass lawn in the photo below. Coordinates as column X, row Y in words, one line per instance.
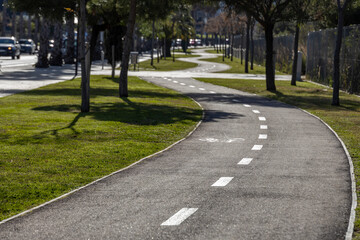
column 345, row 119
column 166, row 65
column 236, row 66
column 48, row 147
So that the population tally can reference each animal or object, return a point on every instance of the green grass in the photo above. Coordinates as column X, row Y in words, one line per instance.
column 165, row 65
column 344, row 119
column 48, row 147
column 236, row 66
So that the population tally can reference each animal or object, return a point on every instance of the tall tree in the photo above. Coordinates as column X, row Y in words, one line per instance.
column 85, row 79
column 4, row 18
column 299, row 10
column 43, row 61
column 56, row 58
column 70, row 46
column 267, row 13
column 341, row 6
column 123, row 84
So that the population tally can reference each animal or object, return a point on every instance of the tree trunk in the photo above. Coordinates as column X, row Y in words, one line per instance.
column 241, row 47
column 247, row 44
column 165, row 49
column 36, row 33
column 85, row 80
column 168, row 48
column 252, row 44
column 4, row 18
column 294, row 66
column 152, row 43
column 13, row 23
column 336, row 76
column 70, row 47
column 232, row 47
column 56, row 54
column 43, row 61
column 29, row 32
column 270, row 71
column 21, row 26
column 123, row 85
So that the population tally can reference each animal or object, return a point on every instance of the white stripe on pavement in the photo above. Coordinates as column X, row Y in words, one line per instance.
column 245, row 161
column 247, row 105
column 256, row 111
column 257, row 147
column 263, row 127
column 222, row 182
column 262, row 118
column 202, row 89
column 179, row 217
column 262, row 136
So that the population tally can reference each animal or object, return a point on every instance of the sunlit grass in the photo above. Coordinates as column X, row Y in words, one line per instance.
column 48, row 147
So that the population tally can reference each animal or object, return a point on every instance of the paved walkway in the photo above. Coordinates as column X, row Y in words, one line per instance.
column 254, row 169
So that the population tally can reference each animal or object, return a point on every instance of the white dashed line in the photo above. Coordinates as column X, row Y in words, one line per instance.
column 222, row 182
column 257, row 147
column 212, row 92
column 262, row 136
column 262, row 118
column 256, row 111
column 263, row 127
column 191, row 86
column 245, row 161
column 202, row 89
column 235, row 100
column 175, row 82
column 183, row 84
column 247, row 105
column 179, row 217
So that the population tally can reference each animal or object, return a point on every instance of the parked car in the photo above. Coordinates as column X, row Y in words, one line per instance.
column 9, row 47
column 27, row 46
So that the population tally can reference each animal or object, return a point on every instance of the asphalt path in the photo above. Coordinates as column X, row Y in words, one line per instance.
column 253, row 169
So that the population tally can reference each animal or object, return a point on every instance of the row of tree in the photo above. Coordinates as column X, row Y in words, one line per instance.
column 172, row 19
column 267, row 13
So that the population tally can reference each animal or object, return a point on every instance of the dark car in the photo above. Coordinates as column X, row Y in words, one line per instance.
column 9, row 47
column 27, row 46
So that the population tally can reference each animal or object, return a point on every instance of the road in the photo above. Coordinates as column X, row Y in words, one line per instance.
column 253, row 169
column 25, row 60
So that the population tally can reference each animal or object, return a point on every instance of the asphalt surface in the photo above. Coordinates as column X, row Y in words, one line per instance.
column 233, row 178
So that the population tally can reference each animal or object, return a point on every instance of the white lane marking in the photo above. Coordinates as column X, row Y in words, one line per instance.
column 191, row 86
column 263, row 127
column 222, row 182
column 175, row 82
column 227, row 140
column 257, row 147
column 235, row 100
column 169, row 80
column 262, row 118
column 256, row 111
column 182, row 84
column 179, row 217
column 247, row 105
column 262, row 136
column 212, row 92
column 165, row 78
column 245, row 161
column 202, row 89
